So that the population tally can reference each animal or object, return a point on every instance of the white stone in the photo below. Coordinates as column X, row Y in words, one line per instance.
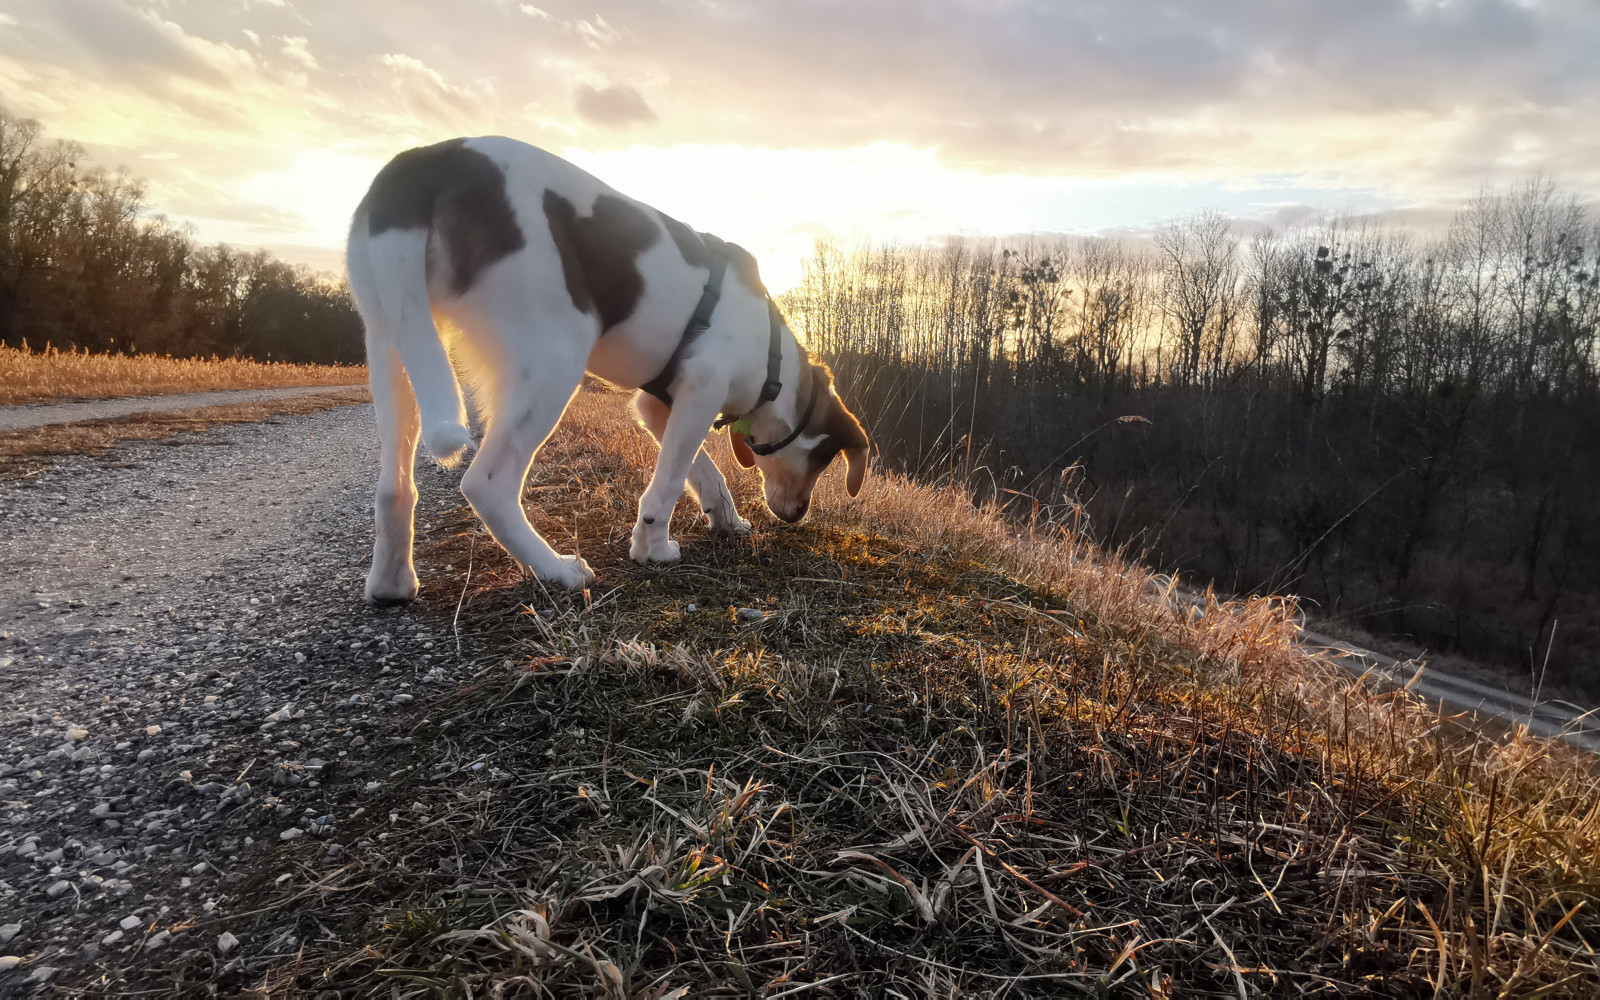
column 77, row 734
column 226, row 942
column 293, row 833
column 129, row 923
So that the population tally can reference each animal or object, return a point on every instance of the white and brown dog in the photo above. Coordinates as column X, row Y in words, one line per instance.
column 544, row 272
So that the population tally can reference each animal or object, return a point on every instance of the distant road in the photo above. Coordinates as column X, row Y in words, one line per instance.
column 18, row 418
column 1550, row 719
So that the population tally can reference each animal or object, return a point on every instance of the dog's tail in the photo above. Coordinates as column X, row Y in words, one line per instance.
column 388, row 279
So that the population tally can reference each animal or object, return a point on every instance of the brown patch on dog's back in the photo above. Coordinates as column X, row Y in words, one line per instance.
column 563, row 219
column 744, row 265
column 600, row 253
column 458, row 192
column 693, row 248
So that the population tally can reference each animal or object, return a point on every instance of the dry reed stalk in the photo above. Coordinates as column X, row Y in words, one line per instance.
column 28, row 376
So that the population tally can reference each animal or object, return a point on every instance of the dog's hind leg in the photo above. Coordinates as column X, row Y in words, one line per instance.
column 392, row 579
column 705, row 479
column 535, row 377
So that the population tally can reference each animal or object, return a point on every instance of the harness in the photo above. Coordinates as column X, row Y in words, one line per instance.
column 699, row 321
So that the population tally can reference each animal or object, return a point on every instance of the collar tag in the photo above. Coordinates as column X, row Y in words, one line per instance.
column 740, row 426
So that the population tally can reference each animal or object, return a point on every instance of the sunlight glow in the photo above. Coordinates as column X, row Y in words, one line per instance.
column 322, row 186
column 777, row 202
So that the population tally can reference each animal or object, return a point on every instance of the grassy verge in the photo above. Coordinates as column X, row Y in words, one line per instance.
column 25, row 452
column 50, row 375
column 903, row 750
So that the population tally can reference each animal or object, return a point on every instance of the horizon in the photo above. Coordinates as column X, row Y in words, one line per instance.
column 262, row 123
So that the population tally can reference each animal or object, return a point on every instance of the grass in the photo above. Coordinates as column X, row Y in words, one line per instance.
column 28, row 376
column 23, row 453
column 907, row 749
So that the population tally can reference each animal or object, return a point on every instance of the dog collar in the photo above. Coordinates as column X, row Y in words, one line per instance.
column 742, row 426
column 800, row 426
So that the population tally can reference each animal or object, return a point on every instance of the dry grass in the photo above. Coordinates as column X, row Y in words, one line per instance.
column 25, row 452
column 28, row 376
column 947, row 758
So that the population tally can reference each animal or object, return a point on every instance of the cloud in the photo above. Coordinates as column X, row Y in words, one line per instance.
column 295, row 48
column 1409, row 102
column 426, row 92
column 130, row 41
column 615, row 107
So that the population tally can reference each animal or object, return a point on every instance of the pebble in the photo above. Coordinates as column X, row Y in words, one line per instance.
column 152, row 730
column 41, row 974
column 129, row 923
column 146, row 754
column 111, row 939
column 9, row 962
column 293, row 833
column 226, row 942
column 57, row 889
column 9, row 931
column 402, row 699
column 77, row 734
column 156, row 941
column 750, row 614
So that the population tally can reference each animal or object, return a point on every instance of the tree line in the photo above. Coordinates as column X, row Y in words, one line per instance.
column 1402, row 428
column 84, row 264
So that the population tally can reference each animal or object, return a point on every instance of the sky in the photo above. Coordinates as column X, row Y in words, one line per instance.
column 773, row 122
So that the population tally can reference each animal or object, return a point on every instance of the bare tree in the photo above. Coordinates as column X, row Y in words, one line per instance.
column 1201, row 293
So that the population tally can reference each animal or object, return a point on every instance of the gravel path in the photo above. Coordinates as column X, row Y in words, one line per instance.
column 188, row 674
column 18, row 418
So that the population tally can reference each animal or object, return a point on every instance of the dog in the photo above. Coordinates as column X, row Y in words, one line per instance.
column 541, row 273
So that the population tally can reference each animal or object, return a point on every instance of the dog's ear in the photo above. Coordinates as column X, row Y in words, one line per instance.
column 847, row 432
column 857, row 459
column 741, row 450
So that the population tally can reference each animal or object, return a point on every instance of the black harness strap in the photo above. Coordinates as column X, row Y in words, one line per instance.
column 698, row 322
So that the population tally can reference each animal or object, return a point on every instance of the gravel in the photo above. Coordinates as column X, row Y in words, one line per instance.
column 192, row 679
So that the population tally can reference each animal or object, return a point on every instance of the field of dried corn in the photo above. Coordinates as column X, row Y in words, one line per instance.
column 911, row 749
column 28, row 376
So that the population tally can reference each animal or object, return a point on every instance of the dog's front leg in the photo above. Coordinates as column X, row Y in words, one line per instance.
column 686, row 427
column 705, row 479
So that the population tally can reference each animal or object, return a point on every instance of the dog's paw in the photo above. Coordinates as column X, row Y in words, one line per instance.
column 729, row 524
column 571, row 572
column 386, row 589
column 663, row 550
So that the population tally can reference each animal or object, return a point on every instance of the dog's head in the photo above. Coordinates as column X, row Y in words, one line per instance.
column 789, row 474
